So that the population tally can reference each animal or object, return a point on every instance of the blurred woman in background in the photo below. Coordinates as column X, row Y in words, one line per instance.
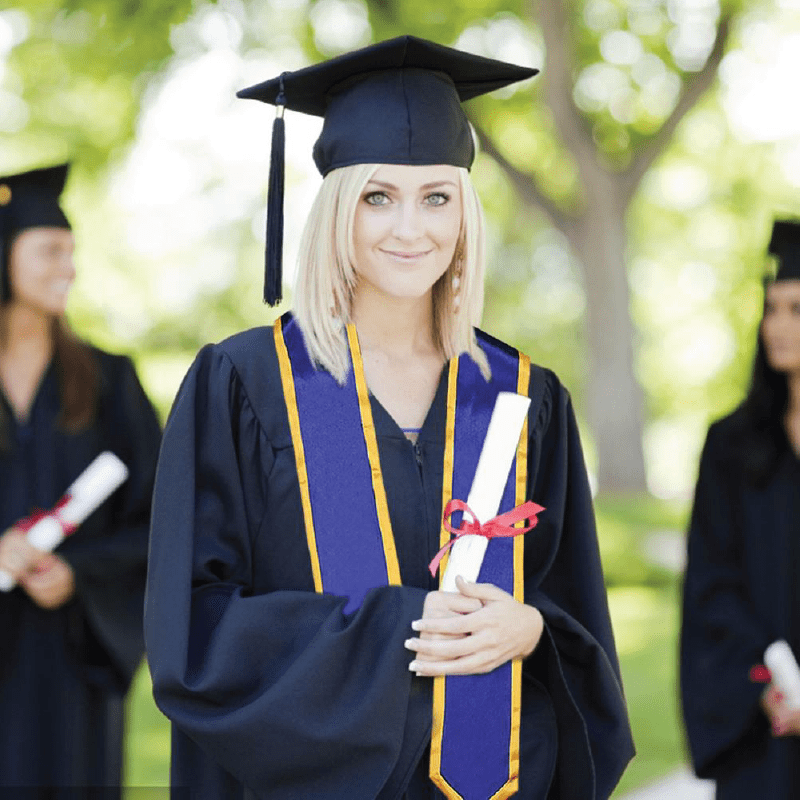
column 742, row 585
column 70, row 631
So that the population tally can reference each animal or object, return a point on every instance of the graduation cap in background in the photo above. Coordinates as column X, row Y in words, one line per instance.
column 395, row 102
column 785, row 246
column 28, row 200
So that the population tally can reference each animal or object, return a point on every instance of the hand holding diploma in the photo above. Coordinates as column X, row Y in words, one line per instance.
column 21, row 552
column 473, row 631
column 466, row 627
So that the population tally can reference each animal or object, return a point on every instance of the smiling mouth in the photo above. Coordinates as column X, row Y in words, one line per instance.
column 403, row 256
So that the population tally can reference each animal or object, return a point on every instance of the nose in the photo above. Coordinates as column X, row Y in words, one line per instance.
column 68, row 264
column 408, row 225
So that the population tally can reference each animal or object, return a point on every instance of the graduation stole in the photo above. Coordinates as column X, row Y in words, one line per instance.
column 476, row 718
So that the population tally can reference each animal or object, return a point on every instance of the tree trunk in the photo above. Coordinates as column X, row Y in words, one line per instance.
column 615, row 399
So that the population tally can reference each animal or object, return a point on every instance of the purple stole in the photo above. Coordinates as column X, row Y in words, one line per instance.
column 476, row 718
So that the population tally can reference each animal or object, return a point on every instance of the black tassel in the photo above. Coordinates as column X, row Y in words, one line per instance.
column 273, row 274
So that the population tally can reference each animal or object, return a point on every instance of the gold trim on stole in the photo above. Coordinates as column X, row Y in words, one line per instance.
column 287, row 380
column 512, row 787
column 371, row 441
column 437, row 730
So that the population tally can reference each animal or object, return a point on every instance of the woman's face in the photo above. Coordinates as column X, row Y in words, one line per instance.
column 41, row 269
column 780, row 328
column 406, row 228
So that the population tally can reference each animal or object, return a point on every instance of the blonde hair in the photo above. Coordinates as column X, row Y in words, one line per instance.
column 326, row 275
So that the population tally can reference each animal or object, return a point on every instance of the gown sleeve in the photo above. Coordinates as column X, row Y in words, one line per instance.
column 576, row 659
column 281, row 688
column 721, row 637
column 110, row 564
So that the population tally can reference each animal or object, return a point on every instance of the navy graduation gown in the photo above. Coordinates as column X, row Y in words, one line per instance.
column 64, row 672
column 273, row 691
column 740, row 594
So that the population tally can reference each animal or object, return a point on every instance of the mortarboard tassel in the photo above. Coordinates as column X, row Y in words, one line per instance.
column 273, row 275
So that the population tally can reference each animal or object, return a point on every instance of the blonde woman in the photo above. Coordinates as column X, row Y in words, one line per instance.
column 297, row 639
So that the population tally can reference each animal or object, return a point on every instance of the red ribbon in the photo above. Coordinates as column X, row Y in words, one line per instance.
column 760, row 674
column 499, row 526
column 26, row 523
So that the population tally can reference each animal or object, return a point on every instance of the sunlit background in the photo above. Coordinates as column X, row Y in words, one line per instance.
column 167, row 198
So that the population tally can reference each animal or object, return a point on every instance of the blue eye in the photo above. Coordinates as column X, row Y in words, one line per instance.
column 437, row 199
column 376, row 198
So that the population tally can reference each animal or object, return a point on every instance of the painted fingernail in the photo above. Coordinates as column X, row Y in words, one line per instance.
column 416, row 625
column 413, row 666
column 409, row 643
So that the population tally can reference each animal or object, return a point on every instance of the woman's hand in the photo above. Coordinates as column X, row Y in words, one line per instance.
column 785, row 722
column 474, row 631
column 17, row 556
column 51, row 583
column 46, row 577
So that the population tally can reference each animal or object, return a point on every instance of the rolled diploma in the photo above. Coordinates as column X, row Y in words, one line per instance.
column 94, row 485
column 781, row 663
column 497, row 455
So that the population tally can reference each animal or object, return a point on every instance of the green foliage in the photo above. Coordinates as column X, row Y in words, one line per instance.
column 81, row 70
column 625, row 529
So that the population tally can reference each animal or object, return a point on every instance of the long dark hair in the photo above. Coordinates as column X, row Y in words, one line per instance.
column 763, row 437
column 78, row 375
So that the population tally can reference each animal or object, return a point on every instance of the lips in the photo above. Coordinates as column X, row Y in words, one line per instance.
column 406, row 256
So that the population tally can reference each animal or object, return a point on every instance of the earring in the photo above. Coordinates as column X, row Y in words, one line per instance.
column 457, row 274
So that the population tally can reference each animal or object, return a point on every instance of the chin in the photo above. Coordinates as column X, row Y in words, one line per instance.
column 789, row 364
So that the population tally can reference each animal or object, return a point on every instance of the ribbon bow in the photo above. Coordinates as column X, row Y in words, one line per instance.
column 26, row 523
column 499, row 526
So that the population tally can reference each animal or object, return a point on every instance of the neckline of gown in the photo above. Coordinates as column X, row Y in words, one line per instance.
column 38, row 392
column 386, row 425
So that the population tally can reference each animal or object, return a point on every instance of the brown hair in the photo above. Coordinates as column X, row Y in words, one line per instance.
column 78, row 375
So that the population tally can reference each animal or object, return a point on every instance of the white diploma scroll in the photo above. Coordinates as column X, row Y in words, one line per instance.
column 491, row 475
column 781, row 663
column 94, row 485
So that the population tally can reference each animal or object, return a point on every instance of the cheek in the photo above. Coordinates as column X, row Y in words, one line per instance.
column 445, row 230
column 366, row 232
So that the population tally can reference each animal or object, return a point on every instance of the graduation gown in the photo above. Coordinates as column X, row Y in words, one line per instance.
column 275, row 692
column 740, row 594
column 64, row 672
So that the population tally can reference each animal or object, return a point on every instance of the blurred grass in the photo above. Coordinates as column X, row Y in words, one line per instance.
column 147, row 742
column 643, row 598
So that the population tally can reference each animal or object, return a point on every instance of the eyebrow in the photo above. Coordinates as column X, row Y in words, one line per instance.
column 433, row 185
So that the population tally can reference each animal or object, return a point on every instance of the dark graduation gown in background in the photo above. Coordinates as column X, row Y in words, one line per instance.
column 740, row 595
column 270, row 686
column 64, row 672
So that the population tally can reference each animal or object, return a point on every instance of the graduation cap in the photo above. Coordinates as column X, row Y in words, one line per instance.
column 785, row 246
column 28, row 200
column 394, row 102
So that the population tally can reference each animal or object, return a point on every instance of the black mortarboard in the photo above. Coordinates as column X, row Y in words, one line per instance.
column 785, row 246
column 395, row 102
column 28, row 200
